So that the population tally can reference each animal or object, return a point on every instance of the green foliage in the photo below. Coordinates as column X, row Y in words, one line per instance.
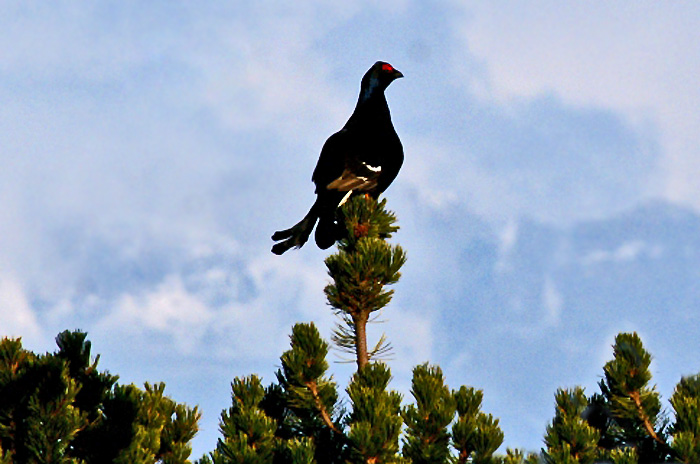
column 629, row 408
column 686, row 429
column 300, row 451
column 248, row 433
column 475, row 435
column 298, row 419
column 427, row 439
column 364, row 265
column 364, row 217
column 625, row 422
column 288, row 422
column 161, row 429
column 375, row 423
column 303, row 369
column 624, row 456
column 518, row 457
column 5, row 457
column 58, row 408
column 359, row 277
column 633, row 404
column 308, row 396
column 569, row 438
column 488, row 436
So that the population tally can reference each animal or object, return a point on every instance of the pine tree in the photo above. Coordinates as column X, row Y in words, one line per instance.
column 364, row 265
column 298, row 418
column 625, row 423
column 427, row 437
column 248, row 430
column 375, row 422
column 570, row 439
column 686, row 429
column 632, row 405
column 288, row 422
column 476, row 436
column 58, row 408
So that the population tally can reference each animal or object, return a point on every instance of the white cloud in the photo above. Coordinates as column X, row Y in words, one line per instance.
column 424, row 171
column 640, row 60
column 265, row 71
column 627, row 251
column 168, row 308
column 552, row 301
column 290, row 290
column 608, row 55
column 215, row 303
column 17, row 318
column 411, row 334
column 83, row 42
column 508, row 237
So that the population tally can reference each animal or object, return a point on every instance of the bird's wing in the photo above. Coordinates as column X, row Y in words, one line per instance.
column 341, row 168
column 357, row 175
column 331, row 163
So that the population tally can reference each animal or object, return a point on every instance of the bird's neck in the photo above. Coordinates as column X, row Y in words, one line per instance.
column 372, row 111
column 370, row 90
column 372, row 107
column 371, row 100
column 372, row 96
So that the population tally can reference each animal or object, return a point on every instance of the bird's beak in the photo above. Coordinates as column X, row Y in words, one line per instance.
column 397, row 74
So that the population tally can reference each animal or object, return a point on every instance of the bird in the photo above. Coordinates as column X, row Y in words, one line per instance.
column 362, row 158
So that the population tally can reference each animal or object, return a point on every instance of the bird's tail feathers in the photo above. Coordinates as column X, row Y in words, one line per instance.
column 297, row 235
column 331, row 220
column 328, row 231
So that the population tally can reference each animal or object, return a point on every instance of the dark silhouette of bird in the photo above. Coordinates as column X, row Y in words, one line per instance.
column 362, row 158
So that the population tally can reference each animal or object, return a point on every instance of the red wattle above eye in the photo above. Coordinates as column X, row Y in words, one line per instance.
column 387, row 67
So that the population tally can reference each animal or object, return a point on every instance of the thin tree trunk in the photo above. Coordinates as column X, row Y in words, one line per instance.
column 360, row 321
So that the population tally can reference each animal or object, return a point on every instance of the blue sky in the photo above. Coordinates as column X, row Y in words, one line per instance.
column 548, row 201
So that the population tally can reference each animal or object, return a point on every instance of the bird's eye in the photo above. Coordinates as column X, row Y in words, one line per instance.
column 387, row 67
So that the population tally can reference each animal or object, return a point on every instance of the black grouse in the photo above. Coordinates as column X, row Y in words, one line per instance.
column 364, row 157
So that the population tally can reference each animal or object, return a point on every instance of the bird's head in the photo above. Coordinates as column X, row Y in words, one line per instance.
column 378, row 78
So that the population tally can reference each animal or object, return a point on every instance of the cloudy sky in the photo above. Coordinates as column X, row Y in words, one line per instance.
column 548, row 201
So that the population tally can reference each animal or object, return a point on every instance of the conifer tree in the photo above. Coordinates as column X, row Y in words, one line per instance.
column 364, row 265
column 299, row 418
column 570, row 439
column 427, row 437
column 248, row 431
column 633, row 407
column 58, row 408
column 309, row 396
column 685, row 432
column 476, row 436
column 625, row 423
column 293, row 421
column 375, row 422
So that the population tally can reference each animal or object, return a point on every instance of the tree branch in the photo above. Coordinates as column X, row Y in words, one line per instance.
column 313, row 388
column 645, row 419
